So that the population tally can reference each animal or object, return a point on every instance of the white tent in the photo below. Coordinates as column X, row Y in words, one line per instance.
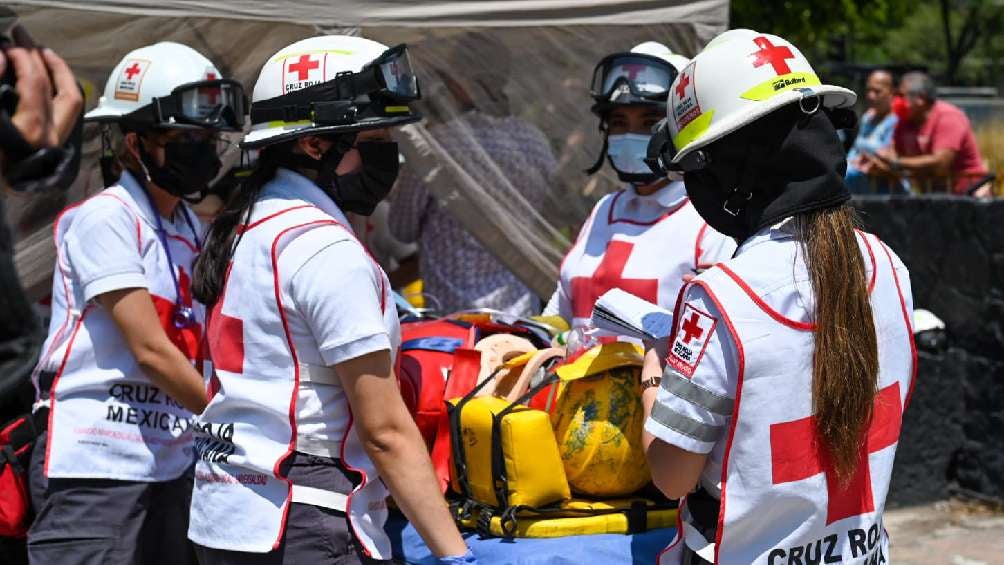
column 532, row 58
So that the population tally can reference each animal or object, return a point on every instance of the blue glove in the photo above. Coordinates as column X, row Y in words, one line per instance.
column 465, row 559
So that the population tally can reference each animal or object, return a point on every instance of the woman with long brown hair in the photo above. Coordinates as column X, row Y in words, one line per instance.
column 784, row 384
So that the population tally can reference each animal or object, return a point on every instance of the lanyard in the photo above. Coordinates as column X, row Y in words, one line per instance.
column 184, row 316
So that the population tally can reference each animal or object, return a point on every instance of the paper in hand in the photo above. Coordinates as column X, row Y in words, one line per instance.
column 625, row 314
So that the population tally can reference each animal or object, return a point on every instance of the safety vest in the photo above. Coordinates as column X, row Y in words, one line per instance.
column 107, row 420
column 241, row 498
column 781, row 502
column 646, row 258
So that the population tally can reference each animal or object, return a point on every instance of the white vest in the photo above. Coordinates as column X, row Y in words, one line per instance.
column 249, row 428
column 646, row 258
column 107, row 420
column 780, row 501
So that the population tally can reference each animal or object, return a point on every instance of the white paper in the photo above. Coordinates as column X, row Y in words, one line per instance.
column 625, row 314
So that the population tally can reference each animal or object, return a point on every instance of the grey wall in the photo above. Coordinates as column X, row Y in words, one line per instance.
column 953, row 431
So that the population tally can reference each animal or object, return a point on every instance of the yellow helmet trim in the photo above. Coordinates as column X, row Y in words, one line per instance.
column 781, row 83
column 693, row 130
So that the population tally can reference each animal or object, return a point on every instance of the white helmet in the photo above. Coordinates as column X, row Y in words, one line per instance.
column 740, row 76
column 331, row 84
column 169, row 85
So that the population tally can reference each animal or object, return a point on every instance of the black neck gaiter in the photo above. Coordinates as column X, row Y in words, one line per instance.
column 783, row 164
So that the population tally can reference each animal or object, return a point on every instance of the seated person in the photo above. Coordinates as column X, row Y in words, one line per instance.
column 874, row 133
column 933, row 145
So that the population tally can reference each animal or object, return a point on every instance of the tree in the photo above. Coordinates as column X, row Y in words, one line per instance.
column 978, row 17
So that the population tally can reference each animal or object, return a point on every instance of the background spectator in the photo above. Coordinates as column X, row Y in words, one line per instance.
column 874, row 133
column 503, row 154
column 934, row 145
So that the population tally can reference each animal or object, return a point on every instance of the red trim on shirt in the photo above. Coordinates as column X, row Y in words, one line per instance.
column 296, row 364
column 735, row 411
column 794, row 324
column 871, row 256
column 909, row 325
column 52, row 388
column 182, row 239
column 697, row 246
column 243, row 228
column 666, row 214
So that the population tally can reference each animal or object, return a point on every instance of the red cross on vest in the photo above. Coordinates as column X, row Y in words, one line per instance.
column 681, row 87
column 775, row 55
column 691, row 328
column 797, row 455
column 225, row 336
column 609, row 274
column 185, row 339
column 303, row 66
column 132, row 71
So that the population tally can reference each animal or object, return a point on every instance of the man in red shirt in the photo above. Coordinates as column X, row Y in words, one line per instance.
column 933, row 143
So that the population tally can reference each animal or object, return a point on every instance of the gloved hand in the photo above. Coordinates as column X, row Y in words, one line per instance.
column 465, row 559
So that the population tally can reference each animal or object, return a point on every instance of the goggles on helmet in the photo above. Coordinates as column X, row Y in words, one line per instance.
column 217, row 103
column 346, row 98
column 645, row 76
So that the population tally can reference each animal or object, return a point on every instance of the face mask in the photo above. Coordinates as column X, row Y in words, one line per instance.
column 361, row 191
column 627, row 156
column 781, row 165
column 188, row 167
column 901, row 108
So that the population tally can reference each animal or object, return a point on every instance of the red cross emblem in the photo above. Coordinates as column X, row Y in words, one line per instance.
column 610, row 274
column 225, row 337
column 132, row 71
column 775, row 55
column 797, row 455
column 691, row 328
column 185, row 339
column 212, row 93
column 681, row 87
column 303, row 66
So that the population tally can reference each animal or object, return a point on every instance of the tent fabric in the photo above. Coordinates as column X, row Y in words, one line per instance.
column 533, row 67
column 367, row 13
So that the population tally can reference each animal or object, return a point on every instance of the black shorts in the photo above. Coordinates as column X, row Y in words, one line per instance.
column 108, row 522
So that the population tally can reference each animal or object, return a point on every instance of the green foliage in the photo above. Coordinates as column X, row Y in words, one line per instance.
column 890, row 32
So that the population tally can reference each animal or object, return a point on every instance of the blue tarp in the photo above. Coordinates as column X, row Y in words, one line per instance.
column 612, row 549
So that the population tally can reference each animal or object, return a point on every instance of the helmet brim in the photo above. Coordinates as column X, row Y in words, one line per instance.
column 833, row 97
column 256, row 139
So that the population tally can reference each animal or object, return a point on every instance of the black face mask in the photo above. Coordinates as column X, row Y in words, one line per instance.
column 361, row 191
column 188, row 167
column 783, row 164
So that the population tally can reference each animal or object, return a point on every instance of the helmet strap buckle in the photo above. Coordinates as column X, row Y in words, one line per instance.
column 736, row 201
column 817, row 103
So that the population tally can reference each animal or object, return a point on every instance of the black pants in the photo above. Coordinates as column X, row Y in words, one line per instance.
column 108, row 522
column 313, row 535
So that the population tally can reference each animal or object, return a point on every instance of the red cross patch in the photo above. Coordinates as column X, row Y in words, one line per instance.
column 301, row 71
column 130, row 79
column 684, row 103
column 693, row 332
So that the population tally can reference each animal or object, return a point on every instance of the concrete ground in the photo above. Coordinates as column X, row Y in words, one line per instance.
column 950, row 532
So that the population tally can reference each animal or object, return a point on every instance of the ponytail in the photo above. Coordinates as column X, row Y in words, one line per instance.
column 845, row 360
column 218, row 251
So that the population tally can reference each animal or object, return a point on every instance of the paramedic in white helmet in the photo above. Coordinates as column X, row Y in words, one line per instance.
column 112, row 476
column 646, row 237
column 306, row 429
column 791, row 364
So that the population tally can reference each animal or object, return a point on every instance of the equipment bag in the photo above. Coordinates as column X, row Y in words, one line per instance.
column 16, row 440
column 504, row 453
